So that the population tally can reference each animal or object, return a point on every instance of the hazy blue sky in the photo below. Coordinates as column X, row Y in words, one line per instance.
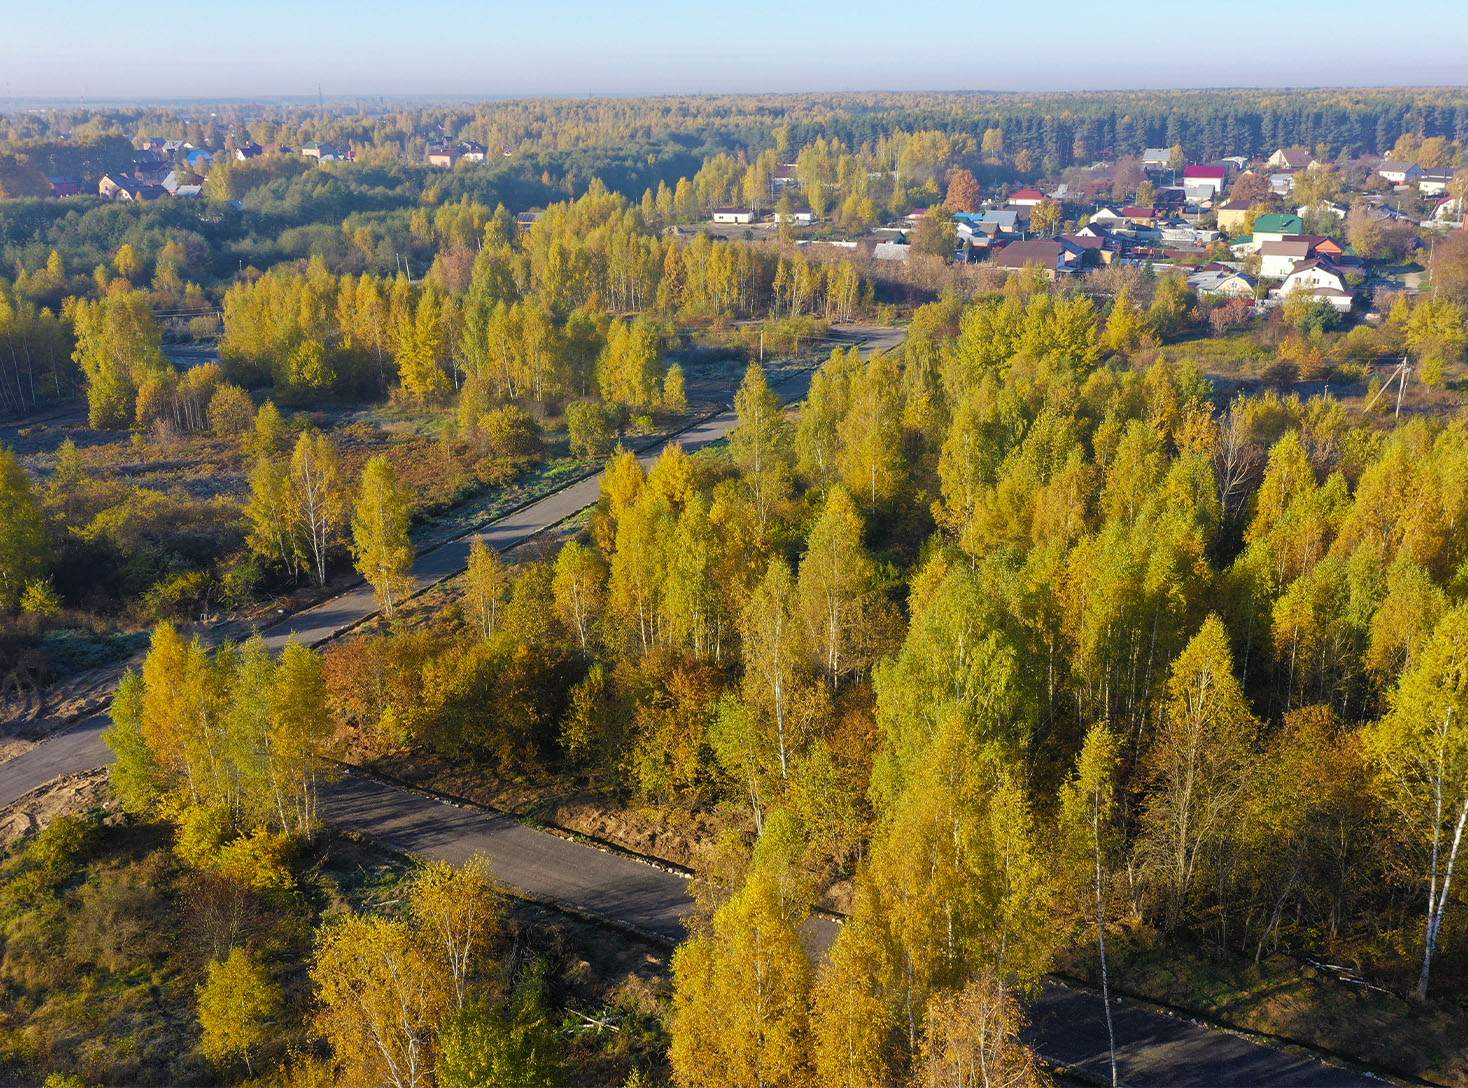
column 465, row 48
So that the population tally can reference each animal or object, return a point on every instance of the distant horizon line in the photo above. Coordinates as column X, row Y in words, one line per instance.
column 447, row 98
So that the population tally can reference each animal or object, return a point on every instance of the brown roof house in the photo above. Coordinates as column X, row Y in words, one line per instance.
column 1053, row 256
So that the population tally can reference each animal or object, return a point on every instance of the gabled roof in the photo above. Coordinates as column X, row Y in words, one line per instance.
column 1137, row 212
column 1297, row 158
column 1285, row 249
column 1083, row 241
column 1219, row 172
column 1046, row 251
column 1317, row 262
column 1027, row 194
column 1278, row 223
column 1235, row 206
column 1003, row 218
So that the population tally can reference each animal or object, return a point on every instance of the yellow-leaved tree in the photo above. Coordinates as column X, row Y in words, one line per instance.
column 380, row 543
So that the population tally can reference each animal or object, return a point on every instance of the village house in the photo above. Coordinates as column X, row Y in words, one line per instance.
column 799, row 216
column 126, row 190
column 1232, row 215
column 1139, row 216
column 1053, row 256
column 1091, row 248
column 892, row 251
column 1219, row 279
column 1291, row 158
column 784, row 175
column 1434, row 184
column 444, row 157
column 64, row 186
column 1205, row 177
column 1282, row 183
column 247, row 151
column 1156, row 157
column 1321, row 280
column 733, row 215
column 1278, row 259
column 1399, row 173
column 997, row 219
column 1025, row 198
column 1276, row 227
column 321, row 152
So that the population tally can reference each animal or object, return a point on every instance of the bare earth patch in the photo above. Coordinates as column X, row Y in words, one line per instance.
column 67, row 796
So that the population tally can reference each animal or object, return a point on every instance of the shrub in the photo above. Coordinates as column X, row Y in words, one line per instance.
column 592, row 429
column 231, row 412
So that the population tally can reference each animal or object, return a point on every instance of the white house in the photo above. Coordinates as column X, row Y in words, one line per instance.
column 1156, row 156
column 802, row 216
column 1399, row 173
column 1109, row 216
column 1025, row 198
column 1222, row 281
column 1322, row 281
column 1278, row 259
column 1434, row 184
column 1325, row 207
column 733, row 215
column 1200, row 177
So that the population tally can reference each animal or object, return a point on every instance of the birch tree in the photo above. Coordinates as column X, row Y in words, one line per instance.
column 1420, row 754
column 486, row 583
column 760, row 442
column 380, row 544
column 1087, row 804
column 318, row 498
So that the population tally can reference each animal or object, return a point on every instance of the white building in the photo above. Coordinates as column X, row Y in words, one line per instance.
column 733, row 215
column 1399, row 173
column 1322, row 281
column 1278, row 259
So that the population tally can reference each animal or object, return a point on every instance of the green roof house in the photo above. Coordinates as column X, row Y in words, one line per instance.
column 1273, row 226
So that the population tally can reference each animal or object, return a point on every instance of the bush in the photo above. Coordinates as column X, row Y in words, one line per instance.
column 592, row 429
column 40, row 599
column 186, row 594
column 231, row 412
column 510, row 434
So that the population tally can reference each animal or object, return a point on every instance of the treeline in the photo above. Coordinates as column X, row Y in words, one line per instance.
column 1070, row 128
column 521, row 314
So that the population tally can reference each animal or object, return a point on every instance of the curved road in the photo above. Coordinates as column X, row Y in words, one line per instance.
column 1067, row 1029
column 81, row 748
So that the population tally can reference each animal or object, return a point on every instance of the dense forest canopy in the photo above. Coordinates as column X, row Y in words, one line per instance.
column 1071, row 128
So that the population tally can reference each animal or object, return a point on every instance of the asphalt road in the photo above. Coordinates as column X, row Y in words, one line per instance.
column 1153, row 1049
column 1067, row 1028
column 81, row 748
